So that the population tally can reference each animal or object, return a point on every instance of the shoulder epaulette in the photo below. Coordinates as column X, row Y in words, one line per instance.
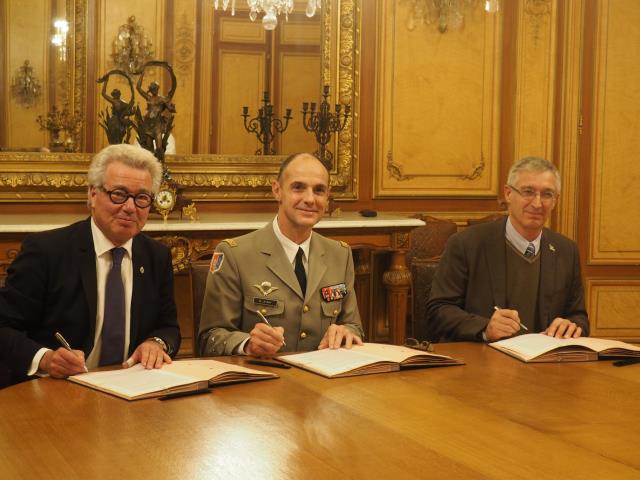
column 231, row 242
column 344, row 244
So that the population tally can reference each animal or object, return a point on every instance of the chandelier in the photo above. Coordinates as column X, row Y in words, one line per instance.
column 446, row 14
column 271, row 9
column 59, row 38
column 131, row 47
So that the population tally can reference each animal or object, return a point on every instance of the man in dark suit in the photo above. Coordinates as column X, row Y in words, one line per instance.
column 106, row 288
column 497, row 278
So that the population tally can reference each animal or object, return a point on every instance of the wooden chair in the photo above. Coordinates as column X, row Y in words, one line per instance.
column 199, row 273
column 427, row 245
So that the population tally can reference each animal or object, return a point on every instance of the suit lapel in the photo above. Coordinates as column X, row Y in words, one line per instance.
column 278, row 262
column 141, row 269
column 87, row 265
column 317, row 265
column 495, row 255
column 548, row 259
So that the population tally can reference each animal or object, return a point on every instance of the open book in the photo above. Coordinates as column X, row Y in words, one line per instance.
column 365, row 359
column 180, row 376
column 537, row 347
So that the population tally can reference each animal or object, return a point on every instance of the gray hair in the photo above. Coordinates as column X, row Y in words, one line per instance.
column 533, row 164
column 132, row 156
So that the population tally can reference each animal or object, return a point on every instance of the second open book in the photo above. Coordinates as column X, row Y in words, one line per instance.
column 537, row 347
column 365, row 359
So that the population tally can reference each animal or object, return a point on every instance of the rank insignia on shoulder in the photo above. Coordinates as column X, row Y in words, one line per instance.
column 333, row 292
column 231, row 242
column 216, row 262
column 265, row 288
column 344, row 244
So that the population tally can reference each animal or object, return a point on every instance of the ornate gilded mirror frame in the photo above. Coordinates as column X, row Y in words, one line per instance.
column 56, row 177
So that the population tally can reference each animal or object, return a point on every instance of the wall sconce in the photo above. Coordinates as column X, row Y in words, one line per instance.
column 59, row 38
column 131, row 48
column 25, row 87
column 271, row 9
column 446, row 14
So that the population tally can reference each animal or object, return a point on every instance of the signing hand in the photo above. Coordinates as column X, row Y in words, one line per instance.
column 62, row 362
column 563, row 328
column 264, row 340
column 336, row 335
column 149, row 354
column 503, row 323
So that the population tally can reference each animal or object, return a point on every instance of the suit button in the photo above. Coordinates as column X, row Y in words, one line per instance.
column 263, row 311
column 303, row 335
column 305, row 309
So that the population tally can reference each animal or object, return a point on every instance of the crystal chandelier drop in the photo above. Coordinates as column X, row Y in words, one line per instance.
column 445, row 14
column 271, row 9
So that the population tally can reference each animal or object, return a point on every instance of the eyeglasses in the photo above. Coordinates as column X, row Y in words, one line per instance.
column 529, row 194
column 424, row 345
column 120, row 196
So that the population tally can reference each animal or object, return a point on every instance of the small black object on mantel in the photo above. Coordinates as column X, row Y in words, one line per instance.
column 368, row 213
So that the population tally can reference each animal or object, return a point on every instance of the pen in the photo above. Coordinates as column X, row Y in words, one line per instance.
column 65, row 344
column 264, row 319
column 268, row 363
column 496, row 308
column 200, row 391
column 626, row 361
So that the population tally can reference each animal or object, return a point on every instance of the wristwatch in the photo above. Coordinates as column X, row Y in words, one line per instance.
column 160, row 342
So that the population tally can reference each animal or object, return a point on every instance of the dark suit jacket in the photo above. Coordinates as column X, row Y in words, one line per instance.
column 51, row 287
column 471, row 280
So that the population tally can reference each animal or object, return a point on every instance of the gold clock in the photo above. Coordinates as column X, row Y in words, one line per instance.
column 165, row 200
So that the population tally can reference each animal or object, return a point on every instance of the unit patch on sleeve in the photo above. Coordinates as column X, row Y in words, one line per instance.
column 216, row 262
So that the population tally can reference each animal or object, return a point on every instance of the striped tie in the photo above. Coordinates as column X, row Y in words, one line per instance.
column 530, row 251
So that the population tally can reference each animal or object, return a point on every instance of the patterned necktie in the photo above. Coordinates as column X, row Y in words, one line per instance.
column 530, row 251
column 113, row 322
column 300, row 273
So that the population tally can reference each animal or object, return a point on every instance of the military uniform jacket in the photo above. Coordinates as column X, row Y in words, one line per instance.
column 252, row 272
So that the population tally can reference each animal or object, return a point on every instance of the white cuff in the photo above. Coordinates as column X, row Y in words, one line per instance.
column 35, row 363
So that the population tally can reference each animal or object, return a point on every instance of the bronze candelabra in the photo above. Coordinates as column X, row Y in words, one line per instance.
column 323, row 123
column 265, row 126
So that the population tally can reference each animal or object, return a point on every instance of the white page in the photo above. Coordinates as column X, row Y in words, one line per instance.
column 332, row 362
column 136, row 380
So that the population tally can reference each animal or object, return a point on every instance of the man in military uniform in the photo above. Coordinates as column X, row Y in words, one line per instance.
column 298, row 280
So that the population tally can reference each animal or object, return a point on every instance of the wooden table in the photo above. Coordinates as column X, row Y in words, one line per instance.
column 492, row 418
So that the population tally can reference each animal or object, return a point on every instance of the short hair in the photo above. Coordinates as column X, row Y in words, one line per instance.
column 533, row 164
column 285, row 163
column 130, row 155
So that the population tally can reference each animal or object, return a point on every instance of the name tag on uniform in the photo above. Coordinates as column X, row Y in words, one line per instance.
column 333, row 292
column 266, row 302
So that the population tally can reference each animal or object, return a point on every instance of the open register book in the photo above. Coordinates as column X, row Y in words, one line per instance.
column 537, row 347
column 365, row 359
column 180, row 376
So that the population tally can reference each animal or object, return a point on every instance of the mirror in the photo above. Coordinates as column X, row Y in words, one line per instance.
column 209, row 125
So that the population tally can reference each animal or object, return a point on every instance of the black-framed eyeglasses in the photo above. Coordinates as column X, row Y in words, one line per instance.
column 416, row 344
column 120, row 196
column 529, row 194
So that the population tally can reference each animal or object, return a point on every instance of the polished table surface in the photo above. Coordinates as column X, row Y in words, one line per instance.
column 494, row 417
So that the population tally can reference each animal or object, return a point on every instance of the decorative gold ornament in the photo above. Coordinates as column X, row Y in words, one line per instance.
column 165, row 200
column 63, row 127
column 190, row 212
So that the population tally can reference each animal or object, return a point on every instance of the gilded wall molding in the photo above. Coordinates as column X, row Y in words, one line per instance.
column 395, row 171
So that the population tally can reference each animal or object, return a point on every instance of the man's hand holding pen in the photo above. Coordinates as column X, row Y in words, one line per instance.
column 503, row 323
column 62, row 362
column 264, row 340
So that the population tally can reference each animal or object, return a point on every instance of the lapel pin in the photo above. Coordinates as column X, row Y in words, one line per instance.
column 552, row 248
column 141, row 269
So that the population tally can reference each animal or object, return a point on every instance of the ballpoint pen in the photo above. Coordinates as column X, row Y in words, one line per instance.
column 264, row 319
column 65, row 344
column 496, row 308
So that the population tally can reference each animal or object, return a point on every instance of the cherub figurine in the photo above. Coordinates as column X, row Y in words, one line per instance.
column 155, row 126
column 118, row 124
